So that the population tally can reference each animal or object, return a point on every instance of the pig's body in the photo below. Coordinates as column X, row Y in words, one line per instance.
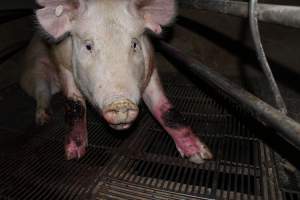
column 107, row 60
column 40, row 78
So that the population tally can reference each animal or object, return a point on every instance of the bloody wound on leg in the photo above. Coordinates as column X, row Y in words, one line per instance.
column 76, row 139
column 187, row 143
column 74, row 111
column 173, row 119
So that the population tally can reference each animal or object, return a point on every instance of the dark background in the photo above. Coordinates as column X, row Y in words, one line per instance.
column 16, row 4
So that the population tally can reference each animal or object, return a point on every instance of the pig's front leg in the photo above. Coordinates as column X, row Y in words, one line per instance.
column 75, row 117
column 187, row 143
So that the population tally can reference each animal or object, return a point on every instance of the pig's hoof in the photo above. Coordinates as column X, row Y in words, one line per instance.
column 191, row 147
column 75, row 150
column 201, row 156
column 41, row 117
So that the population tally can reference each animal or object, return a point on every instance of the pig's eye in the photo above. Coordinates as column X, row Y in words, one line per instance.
column 135, row 45
column 89, row 46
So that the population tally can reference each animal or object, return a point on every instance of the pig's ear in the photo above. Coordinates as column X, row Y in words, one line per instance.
column 56, row 15
column 156, row 13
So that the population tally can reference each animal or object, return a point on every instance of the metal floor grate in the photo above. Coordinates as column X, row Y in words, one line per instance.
column 141, row 163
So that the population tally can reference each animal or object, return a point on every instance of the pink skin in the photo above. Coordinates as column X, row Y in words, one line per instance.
column 41, row 80
column 75, row 115
column 76, row 140
column 187, row 143
column 108, row 55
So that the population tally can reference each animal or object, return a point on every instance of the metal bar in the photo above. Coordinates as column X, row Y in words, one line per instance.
column 262, row 56
column 278, row 14
column 287, row 128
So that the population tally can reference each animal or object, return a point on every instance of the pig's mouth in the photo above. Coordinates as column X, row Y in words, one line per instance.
column 121, row 114
column 120, row 126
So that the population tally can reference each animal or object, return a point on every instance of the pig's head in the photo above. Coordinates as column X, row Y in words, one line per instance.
column 110, row 54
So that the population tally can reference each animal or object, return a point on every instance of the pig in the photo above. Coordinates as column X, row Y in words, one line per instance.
column 99, row 51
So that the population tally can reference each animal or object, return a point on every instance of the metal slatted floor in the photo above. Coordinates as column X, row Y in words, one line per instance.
column 141, row 163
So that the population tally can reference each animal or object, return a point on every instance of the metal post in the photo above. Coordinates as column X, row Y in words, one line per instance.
column 287, row 128
column 278, row 14
column 262, row 56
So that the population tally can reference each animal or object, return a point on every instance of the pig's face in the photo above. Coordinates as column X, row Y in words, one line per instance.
column 109, row 48
column 108, row 60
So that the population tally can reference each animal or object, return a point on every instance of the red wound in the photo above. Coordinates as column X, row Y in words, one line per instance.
column 76, row 139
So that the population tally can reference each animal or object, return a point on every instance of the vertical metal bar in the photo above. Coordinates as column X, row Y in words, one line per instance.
column 262, row 56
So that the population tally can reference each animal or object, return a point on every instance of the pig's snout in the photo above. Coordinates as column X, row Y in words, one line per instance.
column 120, row 114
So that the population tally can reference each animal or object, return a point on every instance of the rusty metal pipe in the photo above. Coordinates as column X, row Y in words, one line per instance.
column 278, row 14
column 287, row 128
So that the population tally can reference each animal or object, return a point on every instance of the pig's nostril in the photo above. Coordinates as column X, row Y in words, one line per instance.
column 120, row 112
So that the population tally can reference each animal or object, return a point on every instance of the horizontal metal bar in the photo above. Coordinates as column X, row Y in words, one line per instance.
column 278, row 14
column 287, row 128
